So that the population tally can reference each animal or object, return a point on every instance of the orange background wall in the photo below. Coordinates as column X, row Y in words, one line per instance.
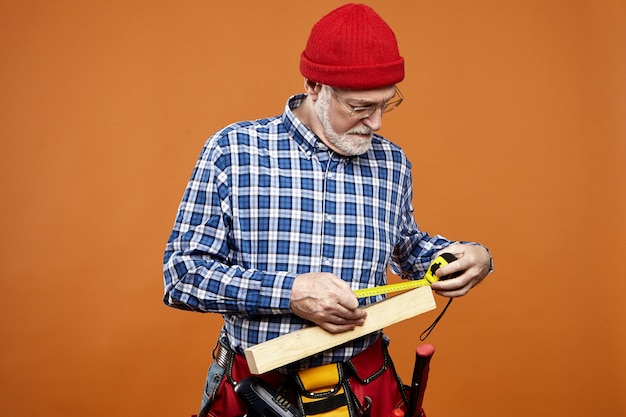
column 514, row 119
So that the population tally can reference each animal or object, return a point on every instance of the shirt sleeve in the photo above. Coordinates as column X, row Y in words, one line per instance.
column 197, row 272
column 415, row 249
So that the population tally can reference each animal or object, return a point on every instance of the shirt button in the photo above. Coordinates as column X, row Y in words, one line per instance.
column 327, row 262
column 329, row 218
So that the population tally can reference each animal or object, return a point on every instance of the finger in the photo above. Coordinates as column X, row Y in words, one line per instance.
column 453, row 268
column 455, row 287
column 341, row 320
column 333, row 328
column 350, row 313
column 340, row 324
column 455, row 293
column 348, row 300
column 349, row 303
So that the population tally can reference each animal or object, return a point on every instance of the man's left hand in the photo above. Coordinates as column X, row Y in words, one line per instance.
column 473, row 264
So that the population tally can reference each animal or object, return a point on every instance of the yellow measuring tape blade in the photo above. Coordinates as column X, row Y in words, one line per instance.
column 386, row 289
column 430, row 277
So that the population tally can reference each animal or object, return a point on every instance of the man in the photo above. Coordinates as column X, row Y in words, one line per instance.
column 284, row 217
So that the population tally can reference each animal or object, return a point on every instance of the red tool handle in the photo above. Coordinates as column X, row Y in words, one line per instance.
column 423, row 354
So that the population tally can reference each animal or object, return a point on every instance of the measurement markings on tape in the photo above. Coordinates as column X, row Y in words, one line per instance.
column 386, row 289
column 430, row 277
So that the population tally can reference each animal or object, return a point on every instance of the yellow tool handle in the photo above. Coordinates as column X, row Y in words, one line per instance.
column 430, row 277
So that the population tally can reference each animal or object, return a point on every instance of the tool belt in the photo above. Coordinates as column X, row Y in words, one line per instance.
column 366, row 385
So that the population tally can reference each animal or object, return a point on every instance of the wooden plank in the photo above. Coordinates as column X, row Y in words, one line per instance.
column 308, row 341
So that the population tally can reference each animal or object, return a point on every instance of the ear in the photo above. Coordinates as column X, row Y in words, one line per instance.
column 312, row 88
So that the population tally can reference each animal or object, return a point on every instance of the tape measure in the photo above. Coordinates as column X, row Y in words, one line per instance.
column 430, row 277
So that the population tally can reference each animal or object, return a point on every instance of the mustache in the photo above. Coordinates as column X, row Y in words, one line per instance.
column 361, row 131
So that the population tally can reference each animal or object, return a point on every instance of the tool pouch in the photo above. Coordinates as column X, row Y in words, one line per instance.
column 323, row 391
column 221, row 399
column 372, row 375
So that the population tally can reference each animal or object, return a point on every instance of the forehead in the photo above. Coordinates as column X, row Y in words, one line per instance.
column 378, row 95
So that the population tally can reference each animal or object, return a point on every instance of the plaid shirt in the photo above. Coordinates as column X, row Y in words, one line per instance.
column 267, row 201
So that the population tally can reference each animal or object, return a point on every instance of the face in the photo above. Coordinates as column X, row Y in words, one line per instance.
column 346, row 134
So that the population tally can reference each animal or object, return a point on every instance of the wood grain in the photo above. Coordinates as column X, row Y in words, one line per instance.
column 308, row 341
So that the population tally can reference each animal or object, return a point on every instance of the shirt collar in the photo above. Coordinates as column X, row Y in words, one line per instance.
column 306, row 139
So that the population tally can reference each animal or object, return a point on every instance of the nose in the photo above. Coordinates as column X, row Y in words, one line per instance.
column 375, row 120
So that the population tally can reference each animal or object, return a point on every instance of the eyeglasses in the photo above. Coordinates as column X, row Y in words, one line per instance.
column 363, row 112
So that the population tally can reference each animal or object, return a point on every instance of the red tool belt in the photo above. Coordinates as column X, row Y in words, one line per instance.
column 366, row 385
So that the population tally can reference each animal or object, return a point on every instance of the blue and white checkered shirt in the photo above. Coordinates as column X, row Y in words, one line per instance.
column 267, row 201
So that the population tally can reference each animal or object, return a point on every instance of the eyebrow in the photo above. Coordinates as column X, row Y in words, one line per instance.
column 359, row 102
column 362, row 103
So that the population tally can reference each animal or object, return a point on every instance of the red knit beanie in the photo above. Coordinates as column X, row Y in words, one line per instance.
column 352, row 48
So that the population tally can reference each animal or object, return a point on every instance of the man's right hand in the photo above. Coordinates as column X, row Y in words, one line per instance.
column 327, row 301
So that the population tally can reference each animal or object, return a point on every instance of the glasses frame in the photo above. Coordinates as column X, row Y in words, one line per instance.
column 384, row 108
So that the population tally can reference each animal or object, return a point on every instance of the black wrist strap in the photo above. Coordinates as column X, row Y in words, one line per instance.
column 430, row 328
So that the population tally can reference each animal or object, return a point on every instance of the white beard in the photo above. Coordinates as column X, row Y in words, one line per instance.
column 352, row 142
